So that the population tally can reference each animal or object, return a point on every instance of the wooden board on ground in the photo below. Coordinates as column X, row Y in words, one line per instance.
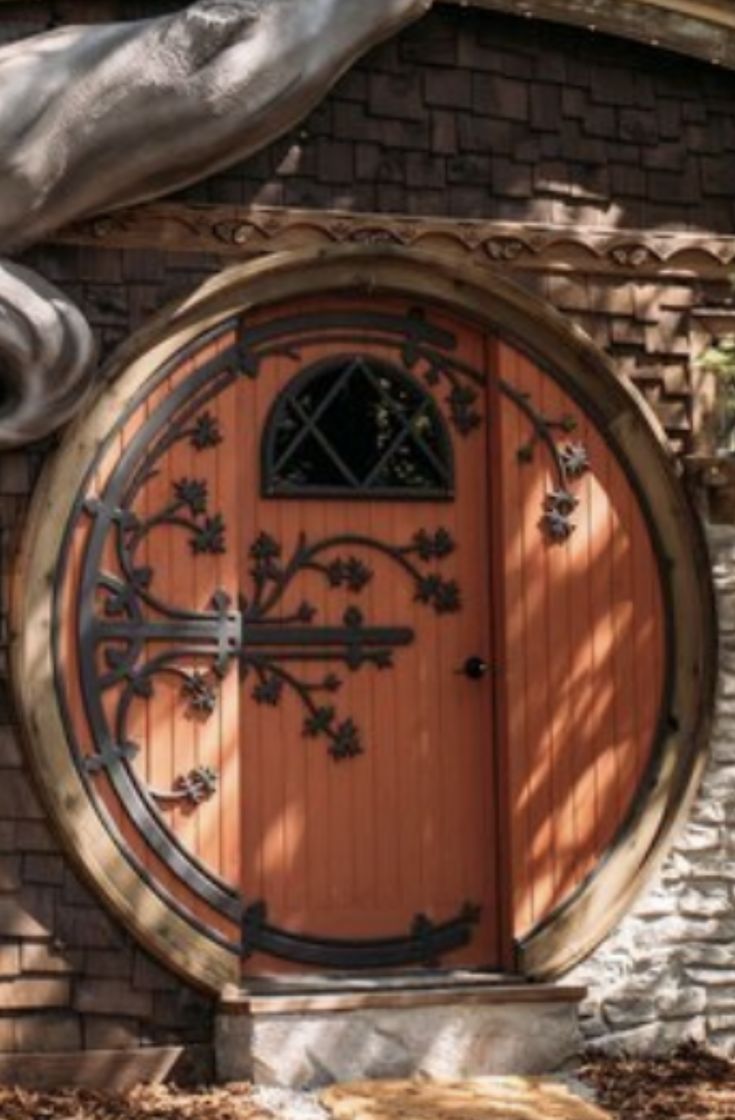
column 493, row 1098
column 111, row 1071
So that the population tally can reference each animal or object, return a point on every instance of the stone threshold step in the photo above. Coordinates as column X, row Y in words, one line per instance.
column 287, row 1000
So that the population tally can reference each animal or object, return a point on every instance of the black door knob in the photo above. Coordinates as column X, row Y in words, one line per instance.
column 476, row 668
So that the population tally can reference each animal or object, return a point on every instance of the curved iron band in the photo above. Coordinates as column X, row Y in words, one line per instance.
column 414, row 329
column 140, row 807
column 213, row 378
column 425, row 944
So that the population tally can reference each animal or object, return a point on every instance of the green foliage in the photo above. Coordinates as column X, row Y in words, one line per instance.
column 720, row 360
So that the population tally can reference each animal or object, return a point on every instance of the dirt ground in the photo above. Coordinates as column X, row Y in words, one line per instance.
column 493, row 1099
column 690, row 1084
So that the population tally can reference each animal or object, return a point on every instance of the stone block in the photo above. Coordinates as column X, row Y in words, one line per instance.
column 629, row 1011
column 714, row 977
column 455, row 1041
column 656, row 1037
column 704, row 954
column 710, row 903
column 678, row 1003
column 657, row 904
column 721, row 999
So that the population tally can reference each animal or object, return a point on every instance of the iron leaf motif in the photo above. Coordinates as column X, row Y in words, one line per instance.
column 443, row 595
column 575, row 459
column 558, row 509
column 570, row 463
column 194, row 788
column 206, row 432
column 281, row 648
column 201, row 697
column 192, row 494
column 209, row 537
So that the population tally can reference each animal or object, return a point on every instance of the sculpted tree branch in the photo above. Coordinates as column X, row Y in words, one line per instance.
column 98, row 117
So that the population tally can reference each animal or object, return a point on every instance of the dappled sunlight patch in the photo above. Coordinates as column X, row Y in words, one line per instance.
column 492, row 1098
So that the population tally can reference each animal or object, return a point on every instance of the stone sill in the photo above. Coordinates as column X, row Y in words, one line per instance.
column 340, row 997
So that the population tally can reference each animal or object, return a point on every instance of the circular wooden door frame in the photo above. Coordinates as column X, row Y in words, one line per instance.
column 485, row 297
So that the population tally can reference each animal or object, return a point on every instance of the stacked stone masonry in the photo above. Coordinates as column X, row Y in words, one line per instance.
column 466, row 115
column 668, row 972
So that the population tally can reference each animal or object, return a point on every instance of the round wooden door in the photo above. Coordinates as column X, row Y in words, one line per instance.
column 342, row 615
column 285, row 638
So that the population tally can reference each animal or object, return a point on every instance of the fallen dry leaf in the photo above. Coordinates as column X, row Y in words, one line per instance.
column 692, row 1083
column 156, row 1102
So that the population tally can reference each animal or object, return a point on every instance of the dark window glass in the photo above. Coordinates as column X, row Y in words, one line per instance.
column 356, row 425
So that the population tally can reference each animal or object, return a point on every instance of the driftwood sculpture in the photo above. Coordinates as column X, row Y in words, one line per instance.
column 98, row 117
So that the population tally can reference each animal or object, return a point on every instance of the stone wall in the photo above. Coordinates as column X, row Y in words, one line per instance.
column 467, row 115
column 668, row 972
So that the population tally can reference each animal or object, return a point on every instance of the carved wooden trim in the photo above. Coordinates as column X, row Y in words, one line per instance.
column 244, row 232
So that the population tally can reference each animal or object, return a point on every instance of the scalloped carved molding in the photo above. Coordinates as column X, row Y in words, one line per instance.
column 243, row 232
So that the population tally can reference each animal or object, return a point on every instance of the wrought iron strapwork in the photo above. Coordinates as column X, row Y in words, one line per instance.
column 130, row 640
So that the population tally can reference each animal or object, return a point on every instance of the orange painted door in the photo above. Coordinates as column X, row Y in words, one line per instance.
column 368, row 785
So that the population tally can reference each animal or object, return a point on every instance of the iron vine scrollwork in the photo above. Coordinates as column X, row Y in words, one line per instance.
column 130, row 640
column 270, row 645
column 570, row 462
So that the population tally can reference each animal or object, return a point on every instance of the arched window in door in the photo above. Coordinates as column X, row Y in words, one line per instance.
column 354, row 426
